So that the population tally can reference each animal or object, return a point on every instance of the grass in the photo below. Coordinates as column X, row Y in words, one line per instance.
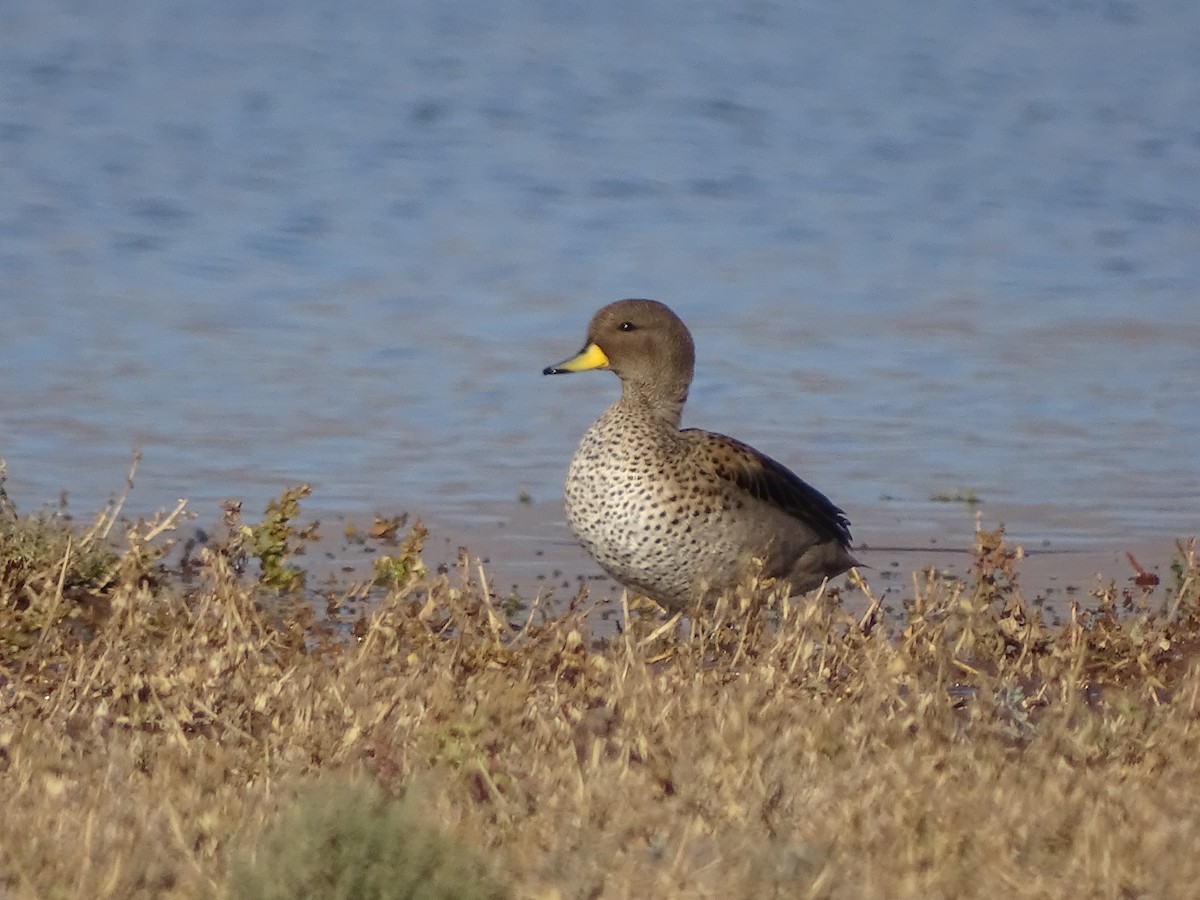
column 214, row 738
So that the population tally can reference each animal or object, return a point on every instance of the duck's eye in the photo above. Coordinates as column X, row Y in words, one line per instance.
column 627, row 326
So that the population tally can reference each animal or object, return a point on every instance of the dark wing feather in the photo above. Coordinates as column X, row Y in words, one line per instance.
column 773, row 483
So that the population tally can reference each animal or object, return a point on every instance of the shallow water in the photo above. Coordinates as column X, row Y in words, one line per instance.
column 922, row 248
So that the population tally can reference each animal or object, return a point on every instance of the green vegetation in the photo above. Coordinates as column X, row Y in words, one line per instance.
column 162, row 739
column 346, row 840
column 963, row 495
column 396, row 572
column 272, row 541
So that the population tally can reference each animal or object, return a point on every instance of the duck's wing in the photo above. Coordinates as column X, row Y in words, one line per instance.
column 771, row 482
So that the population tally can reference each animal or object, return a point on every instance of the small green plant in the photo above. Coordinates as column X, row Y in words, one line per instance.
column 347, row 840
column 53, row 571
column 397, row 572
column 32, row 547
column 962, row 495
column 273, row 540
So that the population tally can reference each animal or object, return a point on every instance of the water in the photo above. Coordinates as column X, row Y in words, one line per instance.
column 922, row 247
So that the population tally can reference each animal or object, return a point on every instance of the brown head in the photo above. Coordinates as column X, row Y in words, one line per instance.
column 647, row 346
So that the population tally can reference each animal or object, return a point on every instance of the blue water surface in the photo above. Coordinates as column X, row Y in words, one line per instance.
column 923, row 247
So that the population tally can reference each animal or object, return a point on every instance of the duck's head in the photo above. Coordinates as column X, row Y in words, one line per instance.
column 646, row 345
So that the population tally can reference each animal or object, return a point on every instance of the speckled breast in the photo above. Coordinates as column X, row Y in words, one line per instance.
column 631, row 514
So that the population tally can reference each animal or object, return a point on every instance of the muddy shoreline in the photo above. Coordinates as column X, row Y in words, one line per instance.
column 527, row 550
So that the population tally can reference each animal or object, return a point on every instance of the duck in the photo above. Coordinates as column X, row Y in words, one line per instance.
column 682, row 515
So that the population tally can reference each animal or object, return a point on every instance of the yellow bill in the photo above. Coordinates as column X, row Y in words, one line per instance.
column 590, row 357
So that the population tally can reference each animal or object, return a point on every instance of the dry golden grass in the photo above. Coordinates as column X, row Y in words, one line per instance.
column 163, row 740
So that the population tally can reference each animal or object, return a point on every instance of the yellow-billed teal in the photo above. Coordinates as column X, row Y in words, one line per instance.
column 680, row 515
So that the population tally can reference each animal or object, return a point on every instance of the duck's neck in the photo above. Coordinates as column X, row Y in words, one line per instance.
column 662, row 403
